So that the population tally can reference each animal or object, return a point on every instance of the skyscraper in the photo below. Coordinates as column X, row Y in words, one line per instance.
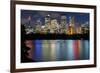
column 54, row 27
column 38, row 26
column 47, row 23
column 71, row 27
column 47, row 20
column 63, row 23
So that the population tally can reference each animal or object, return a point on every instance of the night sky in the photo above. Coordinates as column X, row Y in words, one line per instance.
column 80, row 18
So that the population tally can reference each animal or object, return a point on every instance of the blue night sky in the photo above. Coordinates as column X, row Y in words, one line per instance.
column 80, row 18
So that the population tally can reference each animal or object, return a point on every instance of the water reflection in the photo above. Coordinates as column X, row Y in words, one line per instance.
column 60, row 50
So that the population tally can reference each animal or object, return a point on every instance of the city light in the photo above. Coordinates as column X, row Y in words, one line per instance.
column 52, row 25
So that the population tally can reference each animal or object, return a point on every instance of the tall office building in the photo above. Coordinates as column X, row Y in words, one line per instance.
column 71, row 27
column 79, row 30
column 54, row 27
column 38, row 26
column 63, row 23
column 38, row 22
column 85, row 29
column 47, row 22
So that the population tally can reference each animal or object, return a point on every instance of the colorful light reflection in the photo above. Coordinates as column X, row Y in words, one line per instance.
column 60, row 50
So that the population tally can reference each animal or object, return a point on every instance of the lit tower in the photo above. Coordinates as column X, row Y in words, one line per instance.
column 54, row 26
column 39, row 22
column 63, row 24
column 71, row 30
column 47, row 22
column 38, row 25
column 29, row 19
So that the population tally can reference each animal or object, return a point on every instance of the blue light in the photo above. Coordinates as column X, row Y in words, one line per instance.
column 37, row 50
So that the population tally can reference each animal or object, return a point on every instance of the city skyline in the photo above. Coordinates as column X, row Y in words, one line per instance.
column 55, row 22
column 80, row 18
